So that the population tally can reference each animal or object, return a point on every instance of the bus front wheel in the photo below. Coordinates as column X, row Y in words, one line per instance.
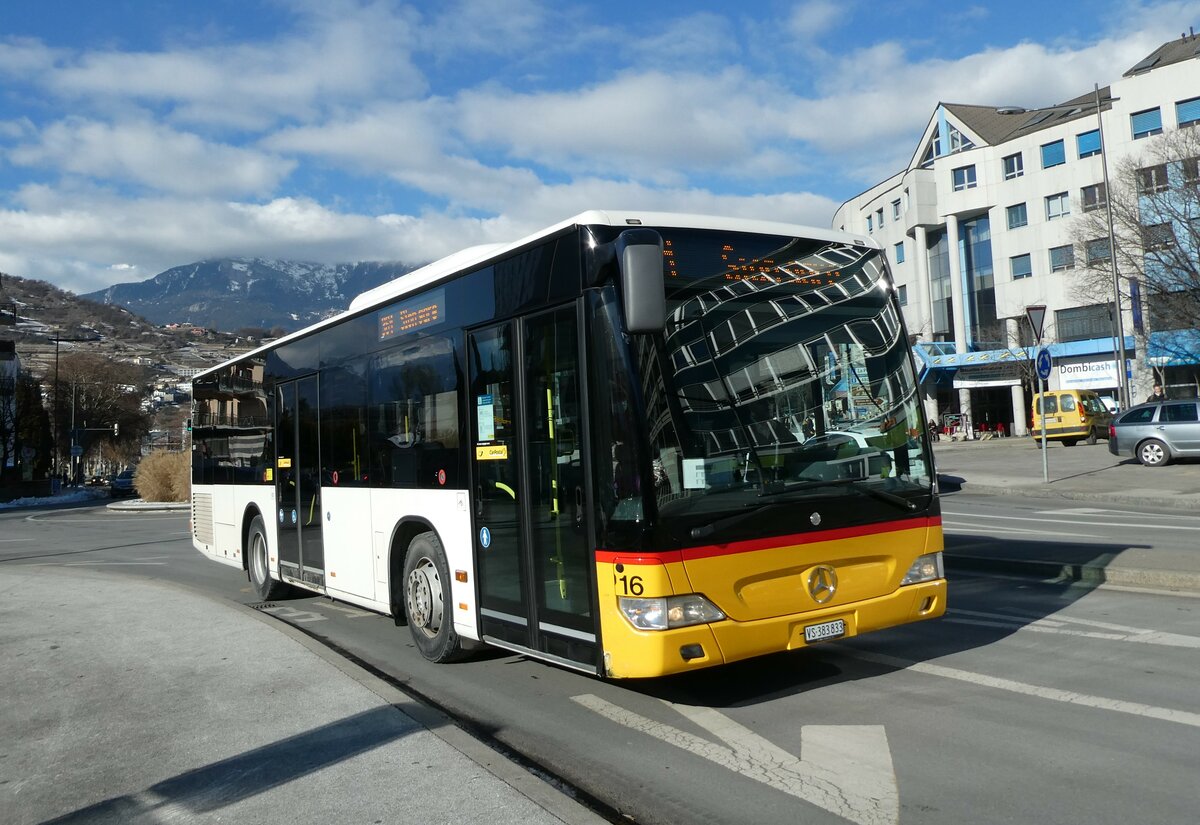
column 258, row 563
column 427, row 599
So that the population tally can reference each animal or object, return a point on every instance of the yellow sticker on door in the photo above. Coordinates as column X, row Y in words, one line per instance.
column 491, row 452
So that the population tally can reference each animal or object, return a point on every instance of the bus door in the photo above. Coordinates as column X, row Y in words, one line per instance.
column 536, row 578
column 298, row 482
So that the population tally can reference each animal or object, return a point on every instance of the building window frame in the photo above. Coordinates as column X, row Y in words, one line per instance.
column 1054, row 153
column 1014, row 166
column 1058, row 206
column 1146, row 123
column 1018, row 215
column 1093, row 197
column 1187, row 112
column 1021, row 266
column 1152, row 180
column 899, row 248
column 964, row 178
column 1062, row 258
column 1087, row 143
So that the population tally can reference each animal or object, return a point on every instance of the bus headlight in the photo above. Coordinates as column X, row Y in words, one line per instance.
column 925, row 569
column 671, row 611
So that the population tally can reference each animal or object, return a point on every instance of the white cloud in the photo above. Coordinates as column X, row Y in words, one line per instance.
column 334, row 59
column 811, row 20
column 153, row 156
column 660, row 126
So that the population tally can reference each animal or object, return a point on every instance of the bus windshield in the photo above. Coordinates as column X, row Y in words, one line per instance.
column 783, row 374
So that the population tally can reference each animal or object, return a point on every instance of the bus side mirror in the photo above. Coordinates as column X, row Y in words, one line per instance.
column 643, row 293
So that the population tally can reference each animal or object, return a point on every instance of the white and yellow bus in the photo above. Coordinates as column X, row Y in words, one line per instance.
column 630, row 444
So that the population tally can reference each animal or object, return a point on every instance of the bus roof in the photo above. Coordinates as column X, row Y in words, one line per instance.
column 472, row 257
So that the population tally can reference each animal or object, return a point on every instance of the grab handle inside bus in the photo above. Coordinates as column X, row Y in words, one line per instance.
column 643, row 293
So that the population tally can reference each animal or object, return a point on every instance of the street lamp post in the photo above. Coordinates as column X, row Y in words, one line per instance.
column 1119, row 325
column 54, row 417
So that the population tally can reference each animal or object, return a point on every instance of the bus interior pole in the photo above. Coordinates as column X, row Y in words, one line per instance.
column 1042, row 404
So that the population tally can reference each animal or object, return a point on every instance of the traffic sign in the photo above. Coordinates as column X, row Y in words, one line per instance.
column 1044, row 363
column 76, row 450
column 1037, row 316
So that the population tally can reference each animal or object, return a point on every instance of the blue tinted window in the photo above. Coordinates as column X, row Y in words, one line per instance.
column 1146, row 123
column 1053, row 154
column 1088, row 143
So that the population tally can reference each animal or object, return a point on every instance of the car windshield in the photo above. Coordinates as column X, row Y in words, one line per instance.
column 783, row 370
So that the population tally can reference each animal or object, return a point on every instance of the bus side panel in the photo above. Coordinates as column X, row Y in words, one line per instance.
column 449, row 514
column 346, row 525
column 217, row 511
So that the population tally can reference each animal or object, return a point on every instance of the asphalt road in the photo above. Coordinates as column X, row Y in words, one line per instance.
column 1030, row 701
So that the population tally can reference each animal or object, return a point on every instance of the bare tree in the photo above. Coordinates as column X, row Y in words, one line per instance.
column 1154, row 199
column 101, row 400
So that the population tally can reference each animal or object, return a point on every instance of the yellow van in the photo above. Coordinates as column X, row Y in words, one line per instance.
column 1071, row 416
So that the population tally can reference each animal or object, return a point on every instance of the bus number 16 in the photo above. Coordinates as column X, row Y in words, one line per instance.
column 631, row 585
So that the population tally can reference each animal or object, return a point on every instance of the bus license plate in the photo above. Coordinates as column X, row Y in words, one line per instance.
column 825, row 630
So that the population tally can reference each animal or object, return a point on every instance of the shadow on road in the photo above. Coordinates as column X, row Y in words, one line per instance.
column 1015, row 603
column 220, row 784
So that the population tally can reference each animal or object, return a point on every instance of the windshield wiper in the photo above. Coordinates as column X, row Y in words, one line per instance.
column 757, row 508
column 737, row 518
column 853, row 483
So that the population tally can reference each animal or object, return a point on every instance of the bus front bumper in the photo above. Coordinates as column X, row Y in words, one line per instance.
column 630, row 653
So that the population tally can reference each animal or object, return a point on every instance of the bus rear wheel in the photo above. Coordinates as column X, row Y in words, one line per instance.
column 427, row 600
column 258, row 563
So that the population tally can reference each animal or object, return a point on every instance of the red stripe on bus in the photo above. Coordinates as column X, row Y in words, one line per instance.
column 708, row 551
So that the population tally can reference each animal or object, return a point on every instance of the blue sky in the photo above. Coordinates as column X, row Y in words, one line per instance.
column 136, row 135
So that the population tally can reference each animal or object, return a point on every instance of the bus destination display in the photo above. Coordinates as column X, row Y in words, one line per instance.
column 425, row 311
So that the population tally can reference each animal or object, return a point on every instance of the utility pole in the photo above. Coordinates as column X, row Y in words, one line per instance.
column 1123, row 393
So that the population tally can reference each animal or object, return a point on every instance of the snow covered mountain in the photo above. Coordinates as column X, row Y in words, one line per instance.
column 234, row 293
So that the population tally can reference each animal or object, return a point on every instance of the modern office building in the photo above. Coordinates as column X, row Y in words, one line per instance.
column 980, row 226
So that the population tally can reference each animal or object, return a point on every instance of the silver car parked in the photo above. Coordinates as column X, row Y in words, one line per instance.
column 1156, row 433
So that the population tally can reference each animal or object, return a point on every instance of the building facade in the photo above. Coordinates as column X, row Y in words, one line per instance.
column 982, row 224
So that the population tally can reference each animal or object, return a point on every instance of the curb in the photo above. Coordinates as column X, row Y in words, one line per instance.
column 1092, row 574
column 139, row 506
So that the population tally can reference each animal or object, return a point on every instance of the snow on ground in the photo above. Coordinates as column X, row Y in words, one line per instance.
column 69, row 497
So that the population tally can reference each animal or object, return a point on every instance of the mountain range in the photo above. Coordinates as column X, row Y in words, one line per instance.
column 229, row 294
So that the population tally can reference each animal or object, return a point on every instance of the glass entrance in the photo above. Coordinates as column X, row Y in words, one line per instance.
column 535, row 567
column 298, row 482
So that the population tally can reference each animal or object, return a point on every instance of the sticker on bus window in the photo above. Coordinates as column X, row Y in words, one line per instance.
column 693, row 474
column 486, row 417
column 285, row 463
column 492, row 452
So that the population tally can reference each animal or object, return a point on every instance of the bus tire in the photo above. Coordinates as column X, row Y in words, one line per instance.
column 427, row 601
column 258, row 563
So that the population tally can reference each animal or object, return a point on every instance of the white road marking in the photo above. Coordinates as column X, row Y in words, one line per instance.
column 1117, row 632
column 1179, row 717
column 845, row 769
column 1140, row 525
column 103, row 563
column 294, row 615
column 1028, row 531
column 16, row 539
column 352, row 612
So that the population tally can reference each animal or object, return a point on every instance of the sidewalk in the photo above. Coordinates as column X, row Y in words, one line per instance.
column 1086, row 476
column 133, row 701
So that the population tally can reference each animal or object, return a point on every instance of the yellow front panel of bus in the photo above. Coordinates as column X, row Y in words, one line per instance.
column 764, row 589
